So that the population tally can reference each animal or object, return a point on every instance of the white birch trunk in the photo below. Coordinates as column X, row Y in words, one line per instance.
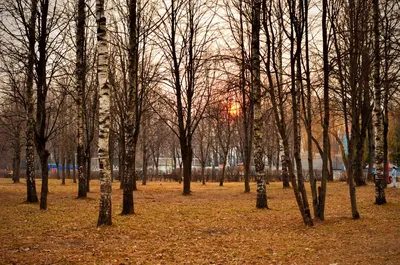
column 258, row 113
column 104, row 117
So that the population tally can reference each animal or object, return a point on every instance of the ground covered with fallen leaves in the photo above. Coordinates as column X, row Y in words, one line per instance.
column 215, row 225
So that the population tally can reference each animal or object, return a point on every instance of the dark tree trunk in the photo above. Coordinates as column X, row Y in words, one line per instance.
column 30, row 135
column 58, row 169
column 203, row 177
column 68, row 170
column 187, row 168
column 74, row 170
column 144, row 168
column 41, row 111
column 88, row 169
column 359, row 163
column 222, row 178
column 246, row 108
column 130, row 155
column 81, row 104
column 122, row 151
column 63, row 165
column 44, row 155
column 380, row 180
column 17, row 162
column 353, row 141
column 371, row 152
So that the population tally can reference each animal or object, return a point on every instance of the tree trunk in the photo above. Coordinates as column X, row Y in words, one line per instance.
column 353, row 41
column 104, row 117
column 44, row 155
column 222, row 179
column 30, row 135
column 380, row 180
column 74, row 170
column 88, row 168
column 359, row 163
column 144, row 151
column 285, row 174
column 326, row 151
column 63, row 165
column 68, row 169
column 187, row 156
column 246, row 109
column 261, row 202
column 203, row 177
column 122, row 151
column 41, row 110
column 17, row 162
column 371, row 152
column 57, row 167
column 80, row 87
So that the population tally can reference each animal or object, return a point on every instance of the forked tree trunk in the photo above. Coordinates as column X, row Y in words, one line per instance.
column 104, row 117
column 380, row 197
column 30, row 135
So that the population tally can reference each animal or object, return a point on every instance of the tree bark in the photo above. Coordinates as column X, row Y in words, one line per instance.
column 64, row 168
column 41, row 111
column 247, row 109
column 187, row 156
column 130, row 155
column 353, row 40
column 80, row 87
column 88, row 166
column 44, row 155
column 17, row 161
column 326, row 151
column 261, row 202
column 380, row 197
column 30, row 135
column 105, row 217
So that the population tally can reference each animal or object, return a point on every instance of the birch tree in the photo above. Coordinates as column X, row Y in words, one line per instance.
column 104, row 116
column 379, row 165
column 258, row 113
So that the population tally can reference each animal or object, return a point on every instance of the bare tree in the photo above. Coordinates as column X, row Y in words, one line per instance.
column 185, row 39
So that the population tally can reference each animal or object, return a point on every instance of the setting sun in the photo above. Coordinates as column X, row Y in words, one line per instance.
column 234, row 109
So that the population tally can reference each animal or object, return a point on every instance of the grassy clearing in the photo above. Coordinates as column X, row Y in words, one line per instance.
column 215, row 225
